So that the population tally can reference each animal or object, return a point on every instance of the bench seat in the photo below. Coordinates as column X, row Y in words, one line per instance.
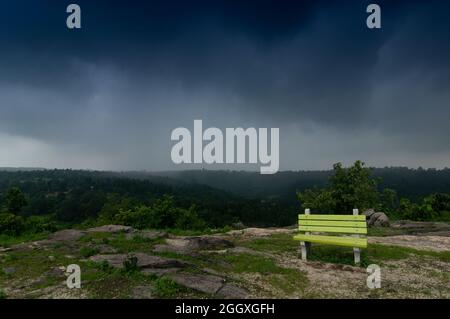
column 333, row 240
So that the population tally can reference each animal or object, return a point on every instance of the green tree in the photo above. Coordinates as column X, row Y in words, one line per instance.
column 389, row 200
column 15, row 200
column 348, row 188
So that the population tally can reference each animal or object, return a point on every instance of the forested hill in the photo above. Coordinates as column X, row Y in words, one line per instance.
column 219, row 197
column 409, row 183
column 79, row 195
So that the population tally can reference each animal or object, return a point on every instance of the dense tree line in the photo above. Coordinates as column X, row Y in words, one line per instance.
column 68, row 197
column 43, row 200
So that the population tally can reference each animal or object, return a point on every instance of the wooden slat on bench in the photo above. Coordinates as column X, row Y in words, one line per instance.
column 332, row 217
column 336, row 223
column 346, row 230
column 333, row 240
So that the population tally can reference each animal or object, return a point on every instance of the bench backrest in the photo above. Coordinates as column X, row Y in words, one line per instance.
column 345, row 224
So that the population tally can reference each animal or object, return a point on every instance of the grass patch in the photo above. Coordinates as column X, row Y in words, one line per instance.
column 288, row 280
column 3, row 294
column 96, row 238
column 384, row 252
column 88, row 251
column 136, row 243
column 166, row 288
column 386, row 231
column 374, row 253
column 278, row 243
column 337, row 255
column 7, row 240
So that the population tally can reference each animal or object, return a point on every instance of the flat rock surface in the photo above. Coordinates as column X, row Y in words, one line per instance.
column 144, row 260
column 209, row 284
column 147, row 234
column 111, row 229
column 204, row 283
column 189, row 244
column 143, row 292
column 232, row 291
column 66, row 235
column 261, row 232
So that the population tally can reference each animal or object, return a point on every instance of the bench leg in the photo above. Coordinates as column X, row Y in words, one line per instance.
column 303, row 250
column 357, row 254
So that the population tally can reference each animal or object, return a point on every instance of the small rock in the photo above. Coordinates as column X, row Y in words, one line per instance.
column 9, row 270
column 51, row 258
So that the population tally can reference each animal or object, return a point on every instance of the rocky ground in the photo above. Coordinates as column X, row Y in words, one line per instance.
column 120, row 262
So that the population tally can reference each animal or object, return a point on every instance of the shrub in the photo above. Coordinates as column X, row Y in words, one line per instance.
column 11, row 224
column 40, row 224
column 162, row 214
column 130, row 264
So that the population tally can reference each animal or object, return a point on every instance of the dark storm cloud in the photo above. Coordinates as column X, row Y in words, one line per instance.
column 311, row 68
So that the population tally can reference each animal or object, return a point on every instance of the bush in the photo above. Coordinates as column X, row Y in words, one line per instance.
column 162, row 214
column 130, row 265
column 432, row 207
column 40, row 224
column 11, row 224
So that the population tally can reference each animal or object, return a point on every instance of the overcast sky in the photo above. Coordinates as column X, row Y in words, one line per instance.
column 108, row 96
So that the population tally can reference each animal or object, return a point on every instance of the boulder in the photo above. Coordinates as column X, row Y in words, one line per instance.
column 368, row 213
column 379, row 219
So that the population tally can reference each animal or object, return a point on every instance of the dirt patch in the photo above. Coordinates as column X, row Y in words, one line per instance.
column 261, row 232
column 434, row 243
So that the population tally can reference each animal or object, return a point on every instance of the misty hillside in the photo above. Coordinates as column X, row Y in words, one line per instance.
column 410, row 183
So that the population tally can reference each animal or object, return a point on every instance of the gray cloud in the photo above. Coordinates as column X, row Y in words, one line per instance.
column 109, row 96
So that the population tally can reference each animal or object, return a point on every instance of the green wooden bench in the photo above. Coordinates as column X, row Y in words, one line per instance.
column 351, row 226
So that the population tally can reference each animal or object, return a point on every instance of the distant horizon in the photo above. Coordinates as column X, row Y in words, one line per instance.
column 12, row 168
